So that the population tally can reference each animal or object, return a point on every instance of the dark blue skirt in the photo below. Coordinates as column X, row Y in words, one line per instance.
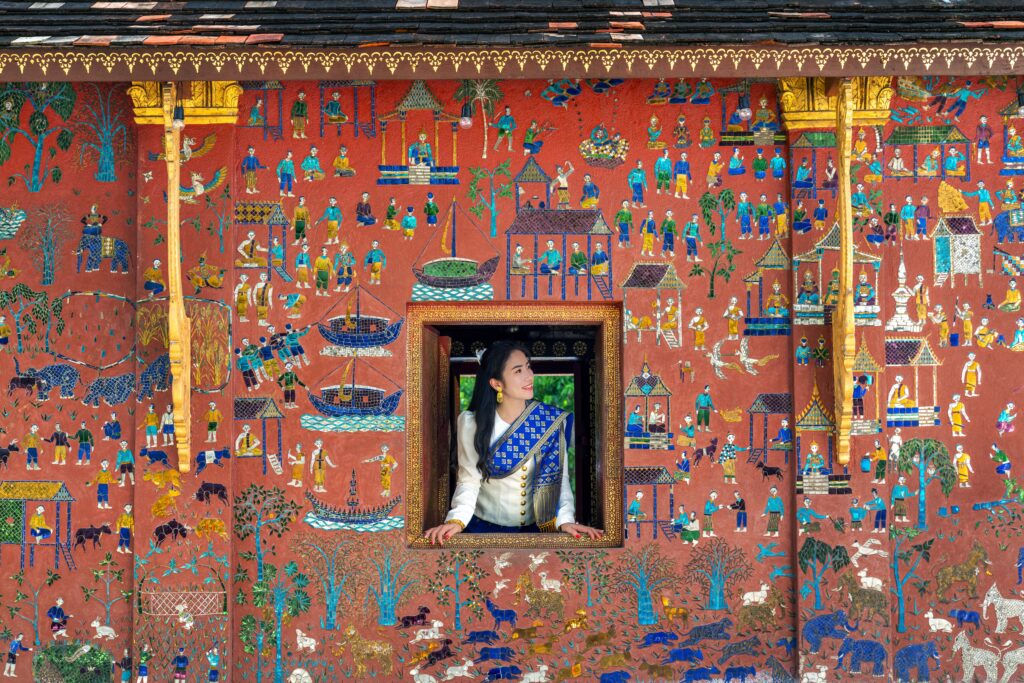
column 482, row 526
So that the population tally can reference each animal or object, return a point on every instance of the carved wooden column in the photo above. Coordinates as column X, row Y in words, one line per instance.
column 843, row 332
column 821, row 116
column 166, row 323
column 179, row 326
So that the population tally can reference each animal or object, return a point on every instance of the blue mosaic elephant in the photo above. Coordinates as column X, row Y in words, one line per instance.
column 915, row 657
column 113, row 390
column 60, row 375
column 862, row 652
column 826, row 626
column 156, row 377
column 1009, row 226
column 117, row 252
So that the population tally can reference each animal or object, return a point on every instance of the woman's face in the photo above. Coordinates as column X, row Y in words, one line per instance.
column 517, row 377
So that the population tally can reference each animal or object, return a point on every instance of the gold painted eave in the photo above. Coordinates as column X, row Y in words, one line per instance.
column 429, row 62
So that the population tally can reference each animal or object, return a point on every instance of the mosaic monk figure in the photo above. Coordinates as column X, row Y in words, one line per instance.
column 250, row 252
column 899, row 395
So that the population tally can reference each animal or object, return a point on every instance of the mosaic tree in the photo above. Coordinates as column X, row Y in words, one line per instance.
column 586, row 571
column 287, row 591
column 721, row 251
column 280, row 594
column 638, row 575
column 817, row 557
column 46, row 239
column 910, row 559
column 26, row 604
column 485, row 190
column 932, row 462
column 43, row 100
column 31, row 309
column 484, row 92
column 110, row 577
column 718, row 567
column 102, row 130
column 262, row 510
column 327, row 564
column 456, row 582
column 391, row 573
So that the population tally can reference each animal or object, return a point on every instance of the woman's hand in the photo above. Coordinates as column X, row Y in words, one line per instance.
column 577, row 530
column 439, row 534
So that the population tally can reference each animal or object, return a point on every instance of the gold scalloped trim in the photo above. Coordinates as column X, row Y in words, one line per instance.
column 429, row 62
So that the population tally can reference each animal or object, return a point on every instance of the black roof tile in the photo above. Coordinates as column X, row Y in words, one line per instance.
column 322, row 23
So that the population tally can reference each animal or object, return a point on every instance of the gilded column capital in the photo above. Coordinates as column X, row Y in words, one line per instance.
column 806, row 102
column 208, row 102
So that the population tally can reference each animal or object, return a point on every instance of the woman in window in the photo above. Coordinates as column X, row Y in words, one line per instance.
column 522, row 484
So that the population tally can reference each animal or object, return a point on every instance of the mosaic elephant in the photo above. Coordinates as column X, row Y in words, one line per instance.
column 862, row 652
column 100, row 248
column 113, row 390
column 1009, row 226
column 826, row 626
column 156, row 377
column 915, row 657
column 60, row 375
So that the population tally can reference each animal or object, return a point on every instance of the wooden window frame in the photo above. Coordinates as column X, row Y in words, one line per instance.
column 428, row 424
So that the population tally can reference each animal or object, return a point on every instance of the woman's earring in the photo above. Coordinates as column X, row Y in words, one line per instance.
column 500, row 397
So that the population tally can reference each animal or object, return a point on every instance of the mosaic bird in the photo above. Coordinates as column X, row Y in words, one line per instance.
column 751, row 364
column 537, row 560
column 200, row 187
column 717, row 364
column 188, row 149
column 500, row 562
column 766, row 551
column 499, row 586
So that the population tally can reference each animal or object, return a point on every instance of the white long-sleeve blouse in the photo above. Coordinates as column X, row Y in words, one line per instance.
column 506, row 501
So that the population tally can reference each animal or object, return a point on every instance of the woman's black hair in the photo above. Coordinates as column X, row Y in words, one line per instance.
column 484, row 400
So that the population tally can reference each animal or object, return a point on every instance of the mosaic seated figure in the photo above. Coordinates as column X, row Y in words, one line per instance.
column 832, row 292
column 874, row 174
column 551, row 260
column 803, row 178
column 332, row 110
column 656, row 421
column 520, row 265
column 899, row 395
column 578, row 262
column 784, row 439
column 814, row 462
column 930, row 166
column 342, row 168
column 250, row 253
column 662, row 91
column 777, row 303
column 897, row 166
column 702, row 92
column 764, row 117
column 681, row 92
column 808, row 293
column 420, row 152
column 1014, row 144
column 863, row 293
column 635, row 422
column 1011, row 300
column 955, row 163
